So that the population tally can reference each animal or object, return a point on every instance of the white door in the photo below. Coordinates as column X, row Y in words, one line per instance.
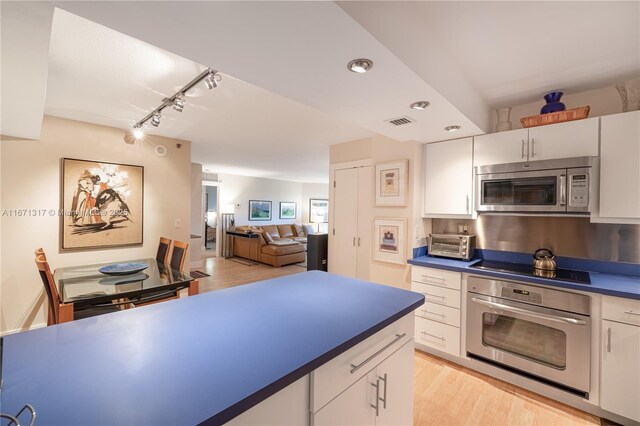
column 397, row 370
column 365, row 227
column 621, row 369
column 345, row 223
column 352, row 407
column 565, row 140
column 448, row 177
column 620, row 166
column 498, row 148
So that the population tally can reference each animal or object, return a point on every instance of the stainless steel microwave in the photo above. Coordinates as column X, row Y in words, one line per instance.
column 548, row 186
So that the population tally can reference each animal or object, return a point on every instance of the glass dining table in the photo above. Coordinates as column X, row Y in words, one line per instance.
column 83, row 286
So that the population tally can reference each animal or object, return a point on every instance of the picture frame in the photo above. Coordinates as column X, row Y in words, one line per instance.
column 259, row 210
column 288, row 210
column 102, row 204
column 318, row 210
column 391, row 183
column 390, row 242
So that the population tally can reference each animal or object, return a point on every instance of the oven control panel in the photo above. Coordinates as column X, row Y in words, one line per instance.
column 579, row 190
column 520, row 295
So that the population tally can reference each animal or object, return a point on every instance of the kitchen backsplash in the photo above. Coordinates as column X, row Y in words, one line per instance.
column 565, row 236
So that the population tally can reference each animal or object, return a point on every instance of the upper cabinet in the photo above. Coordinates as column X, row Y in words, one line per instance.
column 619, row 169
column 448, row 170
column 563, row 140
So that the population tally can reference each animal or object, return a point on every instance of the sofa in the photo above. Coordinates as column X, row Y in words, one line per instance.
column 277, row 245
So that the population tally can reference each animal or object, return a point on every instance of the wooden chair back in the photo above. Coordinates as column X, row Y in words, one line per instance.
column 163, row 250
column 40, row 252
column 50, row 288
column 178, row 255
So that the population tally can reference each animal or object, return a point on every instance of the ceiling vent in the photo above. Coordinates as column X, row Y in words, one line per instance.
column 400, row 121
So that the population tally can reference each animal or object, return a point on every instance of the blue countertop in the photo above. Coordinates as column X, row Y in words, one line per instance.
column 613, row 285
column 200, row 359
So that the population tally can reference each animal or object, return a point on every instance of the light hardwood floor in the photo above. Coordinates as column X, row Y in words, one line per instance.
column 445, row 394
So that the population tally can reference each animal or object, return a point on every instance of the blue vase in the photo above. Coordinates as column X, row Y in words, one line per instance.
column 553, row 103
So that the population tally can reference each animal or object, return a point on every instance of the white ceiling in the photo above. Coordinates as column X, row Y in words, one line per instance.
column 286, row 94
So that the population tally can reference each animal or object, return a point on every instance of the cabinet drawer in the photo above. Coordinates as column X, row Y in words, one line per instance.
column 439, row 295
column 330, row 379
column 438, row 336
column 439, row 313
column 621, row 310
column 437, row 277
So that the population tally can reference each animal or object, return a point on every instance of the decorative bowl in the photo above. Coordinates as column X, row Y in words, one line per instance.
column 123, row 268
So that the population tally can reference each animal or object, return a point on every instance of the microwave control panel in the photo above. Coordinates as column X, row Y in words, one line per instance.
column 579, row 190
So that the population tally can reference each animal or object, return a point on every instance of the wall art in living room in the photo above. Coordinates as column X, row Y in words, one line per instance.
column 102, row 204
column 318, row 210
column 259, row 210
column 287, row 210
column 389, row 240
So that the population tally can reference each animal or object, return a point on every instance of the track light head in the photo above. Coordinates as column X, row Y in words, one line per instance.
column 155, row 120
column 138, row 133
column 212, row 80
column 178, row 103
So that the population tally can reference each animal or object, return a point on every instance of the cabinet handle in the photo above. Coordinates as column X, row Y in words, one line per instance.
column 563, row 190
column 443, row 316
column 355, row 368
column 358, row 241
column 467, row 208
column 631, row 312
column 426, row 277
column 384, row 394
column 435, row 295
column 434, row 336
column 523, row 154
column 354, row 241
column 533, row 147
column 609, row 339
column 377, row 406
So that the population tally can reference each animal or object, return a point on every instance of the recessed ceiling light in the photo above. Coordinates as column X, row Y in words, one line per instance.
column 452, row 128
column 419, row 105
column 360, row 66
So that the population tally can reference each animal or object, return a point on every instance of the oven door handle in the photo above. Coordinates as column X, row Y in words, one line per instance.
column 528, row 313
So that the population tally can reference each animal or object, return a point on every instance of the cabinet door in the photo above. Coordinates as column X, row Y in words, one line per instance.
column 448, row 177
column 497, row 148
column 396, row 388
column 363, row 241
column 620, row 166
column 564, row 140
column 345, row 223
column 351, row 407
column 621, row 369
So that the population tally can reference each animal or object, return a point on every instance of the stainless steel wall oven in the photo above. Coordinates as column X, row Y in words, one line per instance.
column 542, row 333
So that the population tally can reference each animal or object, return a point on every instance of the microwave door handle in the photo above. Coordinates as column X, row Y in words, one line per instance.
column 527, row 312
column 563, row 190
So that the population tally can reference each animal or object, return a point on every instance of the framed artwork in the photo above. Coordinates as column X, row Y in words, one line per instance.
column 391, row 183
column 287, row 210
column 318, row 210
column 389, row 240
column 259, row 210
column 102, row 204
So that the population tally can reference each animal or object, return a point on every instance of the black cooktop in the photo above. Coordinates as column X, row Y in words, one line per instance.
column 579, row 277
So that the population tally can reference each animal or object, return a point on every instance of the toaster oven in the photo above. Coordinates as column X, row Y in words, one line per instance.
column 452, row 245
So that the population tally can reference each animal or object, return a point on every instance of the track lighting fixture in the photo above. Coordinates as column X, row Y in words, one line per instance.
column 177, row 101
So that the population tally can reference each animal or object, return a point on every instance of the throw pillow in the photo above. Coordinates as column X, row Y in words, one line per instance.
column 267, row 237
column 309, row 229
column 299, row 230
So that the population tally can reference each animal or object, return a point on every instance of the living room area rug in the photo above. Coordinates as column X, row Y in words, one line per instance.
column 198, row 274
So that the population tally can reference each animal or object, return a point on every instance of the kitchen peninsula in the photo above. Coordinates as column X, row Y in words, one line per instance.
column 303, row 343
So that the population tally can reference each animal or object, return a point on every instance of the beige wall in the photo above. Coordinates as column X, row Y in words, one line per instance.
column 197, row 217
column 30, row 179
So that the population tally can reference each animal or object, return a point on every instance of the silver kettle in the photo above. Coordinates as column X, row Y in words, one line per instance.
column 543, row 259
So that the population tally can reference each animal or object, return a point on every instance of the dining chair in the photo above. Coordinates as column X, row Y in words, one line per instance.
column 54, row 297
column 40, row 252
column 163, row 250
column 178, row 255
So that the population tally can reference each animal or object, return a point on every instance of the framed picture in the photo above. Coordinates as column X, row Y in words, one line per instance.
column 102, row 204
column 287, row 210
column 389, row 240
column 259, row 210
column 391, row 183
column 318, row 210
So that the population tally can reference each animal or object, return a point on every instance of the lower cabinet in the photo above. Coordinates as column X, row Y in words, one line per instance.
column 383, row 396
column 620, row 380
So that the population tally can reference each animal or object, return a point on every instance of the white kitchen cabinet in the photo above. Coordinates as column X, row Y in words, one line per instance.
column 383, row 396
column 563, row 140
column 448, row 169
column 620, row 370
column 438, row 321
column 350, row 237
column 619, row 168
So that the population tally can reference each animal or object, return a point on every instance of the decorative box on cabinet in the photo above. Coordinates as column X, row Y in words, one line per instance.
column 438, row 320
column 563, row 140
column 620, row 371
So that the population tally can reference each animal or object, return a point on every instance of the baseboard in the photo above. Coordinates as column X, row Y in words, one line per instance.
column 19, row 330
